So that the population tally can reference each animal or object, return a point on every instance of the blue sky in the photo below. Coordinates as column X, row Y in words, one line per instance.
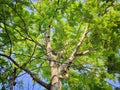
column 28, row 83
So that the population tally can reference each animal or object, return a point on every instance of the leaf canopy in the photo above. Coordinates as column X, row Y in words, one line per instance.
column 23, row 26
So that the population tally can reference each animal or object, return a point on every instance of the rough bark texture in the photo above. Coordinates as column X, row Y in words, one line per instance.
column 55, row 80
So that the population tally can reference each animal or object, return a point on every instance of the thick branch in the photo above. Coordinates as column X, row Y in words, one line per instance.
column 27, row 71
column 71, row 58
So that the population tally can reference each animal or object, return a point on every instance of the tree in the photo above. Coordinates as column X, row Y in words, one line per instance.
column 71, row 43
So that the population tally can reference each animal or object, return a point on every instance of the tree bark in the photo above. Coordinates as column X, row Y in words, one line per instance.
column 55, row 80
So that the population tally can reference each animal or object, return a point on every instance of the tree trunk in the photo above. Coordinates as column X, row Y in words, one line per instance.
column 55, row 80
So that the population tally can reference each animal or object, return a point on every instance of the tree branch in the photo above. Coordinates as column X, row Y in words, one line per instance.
column 25, row 37
column 85, row 52
column 71, row 58
column 106, row 9
column 4, row 22
column 9, row 38
column 27, row 71
column 30, row 58
column 22, row 19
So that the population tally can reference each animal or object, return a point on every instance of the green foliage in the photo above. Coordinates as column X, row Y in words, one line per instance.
column 23, row 26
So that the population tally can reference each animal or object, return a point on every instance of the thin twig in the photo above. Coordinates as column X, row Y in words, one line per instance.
column 30, row 59
column 85, row 52
column 7, row 35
